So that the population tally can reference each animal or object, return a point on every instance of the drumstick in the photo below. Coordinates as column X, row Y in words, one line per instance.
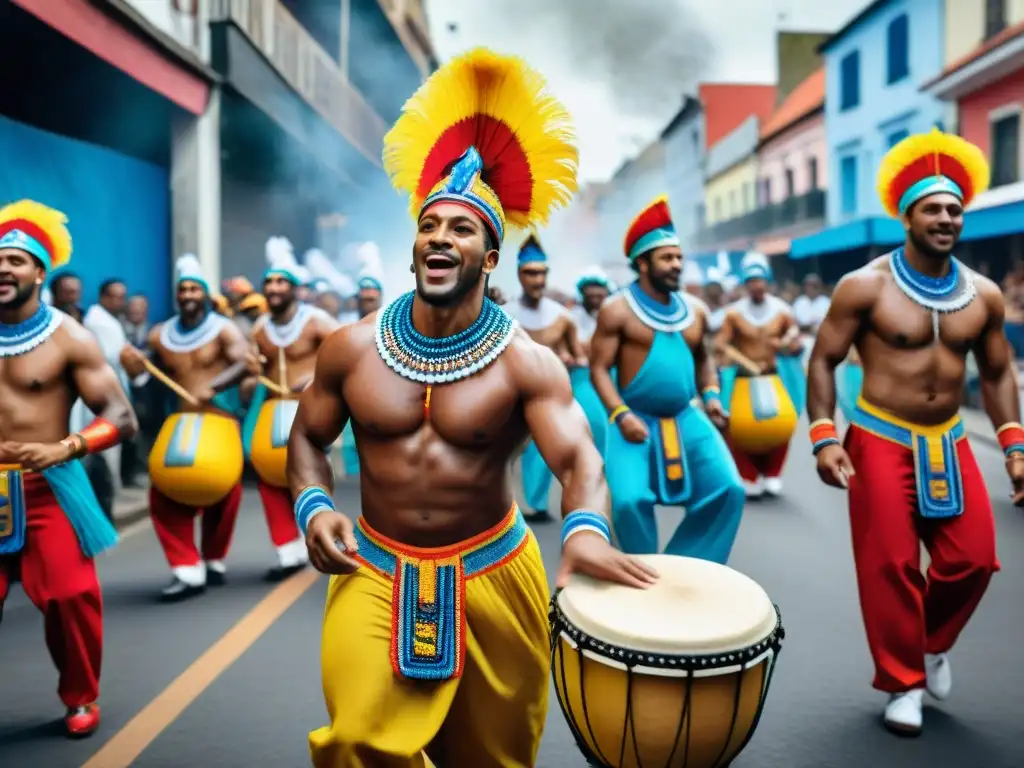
column 273, row 386
column 281, row 373
column 170, row 383
column 738, row 357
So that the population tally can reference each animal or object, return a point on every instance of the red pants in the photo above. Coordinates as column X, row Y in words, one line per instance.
column 277, row 505
column 907, row 615
column 751, row 467
column 175, row 527
column 61, row 582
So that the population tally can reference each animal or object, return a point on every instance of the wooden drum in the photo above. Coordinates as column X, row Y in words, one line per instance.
column 197, row 458
column 269, row 451
column 761, row 414
column 675, row 675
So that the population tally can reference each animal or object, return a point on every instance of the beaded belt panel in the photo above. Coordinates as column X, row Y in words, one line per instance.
column 12, row 513
column 428, row 619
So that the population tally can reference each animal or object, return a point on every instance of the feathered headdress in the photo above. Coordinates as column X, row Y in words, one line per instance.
column 692, row 274
column 322, row 269
column 755, row 266
column 188, row 269
column 38, row 230
column 281, row 261
column 652, row 228
column 484, row 132
column 531, row 252
column 594, row 276
column 929, row 163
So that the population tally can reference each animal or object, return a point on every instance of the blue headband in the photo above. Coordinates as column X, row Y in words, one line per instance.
column 458, row 187
column 589, row 280
column 23, row 241
column 282, row 272
column 371, row 283
column 756, row 272
column 531, row 254
column 656, row 238
column 929, row 185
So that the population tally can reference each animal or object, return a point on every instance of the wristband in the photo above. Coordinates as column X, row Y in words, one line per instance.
column 823, row 434
column 1011, row 437
column 711, row 394
column 311, row 502
column 617, row 413
column 585, row 520
column 98, row 436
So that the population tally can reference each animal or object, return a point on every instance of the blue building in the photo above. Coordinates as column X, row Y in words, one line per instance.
column 683, row 141
column 873, row 75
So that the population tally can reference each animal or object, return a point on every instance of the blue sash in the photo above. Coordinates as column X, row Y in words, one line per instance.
column 252, row 415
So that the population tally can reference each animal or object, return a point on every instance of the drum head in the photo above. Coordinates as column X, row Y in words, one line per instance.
column 697, row 607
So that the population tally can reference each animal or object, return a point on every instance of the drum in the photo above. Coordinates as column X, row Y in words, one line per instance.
column 761, row 414
column 269, row 452
column 197, row 458
column 675, row 675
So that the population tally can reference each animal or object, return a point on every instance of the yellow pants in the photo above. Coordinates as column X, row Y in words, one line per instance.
column 487, row 707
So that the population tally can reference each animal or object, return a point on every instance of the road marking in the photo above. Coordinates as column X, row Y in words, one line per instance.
column 131, row 741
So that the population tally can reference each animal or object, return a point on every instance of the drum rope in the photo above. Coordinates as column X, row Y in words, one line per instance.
column 737, row 698
column 684, row 717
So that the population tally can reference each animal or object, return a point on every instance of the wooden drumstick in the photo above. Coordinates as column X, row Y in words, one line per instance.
column 282, row 374
column 170, row 383
column 738, row 357
column 273, row 386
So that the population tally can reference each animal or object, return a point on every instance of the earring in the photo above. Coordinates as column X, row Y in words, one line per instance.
column 412, row 269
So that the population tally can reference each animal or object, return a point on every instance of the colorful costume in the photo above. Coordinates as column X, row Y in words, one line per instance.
column 684, row 461
column 764, row 408
column 917, row 482
column 449, row 650
column 195, row 466
column 51, row 524
column 586, row 324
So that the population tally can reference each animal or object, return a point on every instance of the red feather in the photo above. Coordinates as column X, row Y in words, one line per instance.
column 924, row 167
column 656, row 215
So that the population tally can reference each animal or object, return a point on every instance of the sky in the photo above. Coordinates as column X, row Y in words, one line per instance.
column 623, row 66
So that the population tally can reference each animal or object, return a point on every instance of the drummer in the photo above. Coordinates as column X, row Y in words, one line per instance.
column 760, row 327
column 436, row 443
column 592, row 289
column 205, row 353
column 287, row 339
column 51, row 524
column 654, row 337
column 548, row 323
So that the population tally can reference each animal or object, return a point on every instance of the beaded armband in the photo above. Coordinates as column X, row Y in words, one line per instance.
column 1011, row 438
column 617, row 413
column 823, row 434
column 585, row 520
column 98, row 436
column 711, row 394
column 310, row 502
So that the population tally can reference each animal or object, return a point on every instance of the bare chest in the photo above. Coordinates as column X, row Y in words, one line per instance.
column 301, row 349
column 747, row 330
column 638, row 334
column 902, row 323
column 200, row 360
column 40, row 370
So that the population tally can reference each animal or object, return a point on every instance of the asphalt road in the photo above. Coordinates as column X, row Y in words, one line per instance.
column 821, row 711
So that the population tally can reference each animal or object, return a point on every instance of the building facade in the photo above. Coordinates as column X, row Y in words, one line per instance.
column 683, row 140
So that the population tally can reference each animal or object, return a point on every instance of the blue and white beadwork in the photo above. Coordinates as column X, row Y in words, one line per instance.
column 25, row 336
column 585, row 520
column 312, row 500
column 174, row 337
column 427, row 360
column 674, row 317
column 825, row 442
column 950, row 293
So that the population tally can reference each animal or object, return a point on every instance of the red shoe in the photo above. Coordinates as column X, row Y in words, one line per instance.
column 82, row 721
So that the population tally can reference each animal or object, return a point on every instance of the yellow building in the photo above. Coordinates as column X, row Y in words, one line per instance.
column 731, row 193
column 971, row 22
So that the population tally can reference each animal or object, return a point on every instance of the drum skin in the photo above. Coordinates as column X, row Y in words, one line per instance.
column 758, row 436
column 269, row 451
column 197, row 458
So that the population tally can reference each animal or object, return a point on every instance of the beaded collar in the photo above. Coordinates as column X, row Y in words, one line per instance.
column 283, row 335
column 421, row 358
column 950, row 293
column 25, row 336
column 655, row 315
column 174, row 337
column 763, row 313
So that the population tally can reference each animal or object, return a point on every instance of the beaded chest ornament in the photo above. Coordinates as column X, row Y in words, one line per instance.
column 939, row 295
column 25, row 336
column 674, row 317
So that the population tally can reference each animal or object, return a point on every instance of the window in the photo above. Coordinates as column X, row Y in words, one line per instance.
column 748, row 196
column 898, row 49
column 1006, row 150
column 812, row 173
column 848, row 184
column 897, row 136
column 790, row 183
column 696, row 140
column 995, row 17
column 849, row 81
column 718, row 209
column 732, row 203
column 766, row 192
column 939, row 125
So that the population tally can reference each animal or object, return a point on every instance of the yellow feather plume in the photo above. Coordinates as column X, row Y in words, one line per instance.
column 52, row 222
column 483, row 84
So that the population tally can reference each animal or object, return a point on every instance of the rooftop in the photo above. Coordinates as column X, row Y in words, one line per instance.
column 806, row 99
column 727, row 105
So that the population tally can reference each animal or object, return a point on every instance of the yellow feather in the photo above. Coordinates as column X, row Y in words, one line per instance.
column 506, row 89
column 51, row 221
column 913, row 148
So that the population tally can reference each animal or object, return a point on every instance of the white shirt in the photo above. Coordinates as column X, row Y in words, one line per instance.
column 810, row 312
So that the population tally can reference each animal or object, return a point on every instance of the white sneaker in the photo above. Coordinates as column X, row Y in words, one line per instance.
column 754, row 489
column 773, row 486
column 940, row 678
column 903, row 713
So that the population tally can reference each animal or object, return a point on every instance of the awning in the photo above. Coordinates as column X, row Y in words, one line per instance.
column 997, row 221
column 846, row 237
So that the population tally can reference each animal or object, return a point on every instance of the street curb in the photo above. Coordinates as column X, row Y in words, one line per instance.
column 131, row 516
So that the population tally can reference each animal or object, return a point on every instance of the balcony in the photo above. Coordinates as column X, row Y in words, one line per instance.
column 802, row 211
column 310, row 71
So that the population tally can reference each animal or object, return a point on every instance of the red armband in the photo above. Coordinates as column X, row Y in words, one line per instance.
column 1011, row 437
column 98, row 436
column 823, row 433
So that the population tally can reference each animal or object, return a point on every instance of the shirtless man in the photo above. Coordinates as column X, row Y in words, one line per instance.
column 761, row 389
column 592, row 289
column 51, row 525
column 287, row 340
column 913, row 316
column 205, row 353
column 438, row 417
column 654, row 337
column 548, row 323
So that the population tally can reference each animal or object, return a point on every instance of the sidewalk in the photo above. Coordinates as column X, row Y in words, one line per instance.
column 978, row 426
column 130, row 506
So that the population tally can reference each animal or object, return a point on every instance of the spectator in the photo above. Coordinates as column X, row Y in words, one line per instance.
column 145, row 396
column 66, row 289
